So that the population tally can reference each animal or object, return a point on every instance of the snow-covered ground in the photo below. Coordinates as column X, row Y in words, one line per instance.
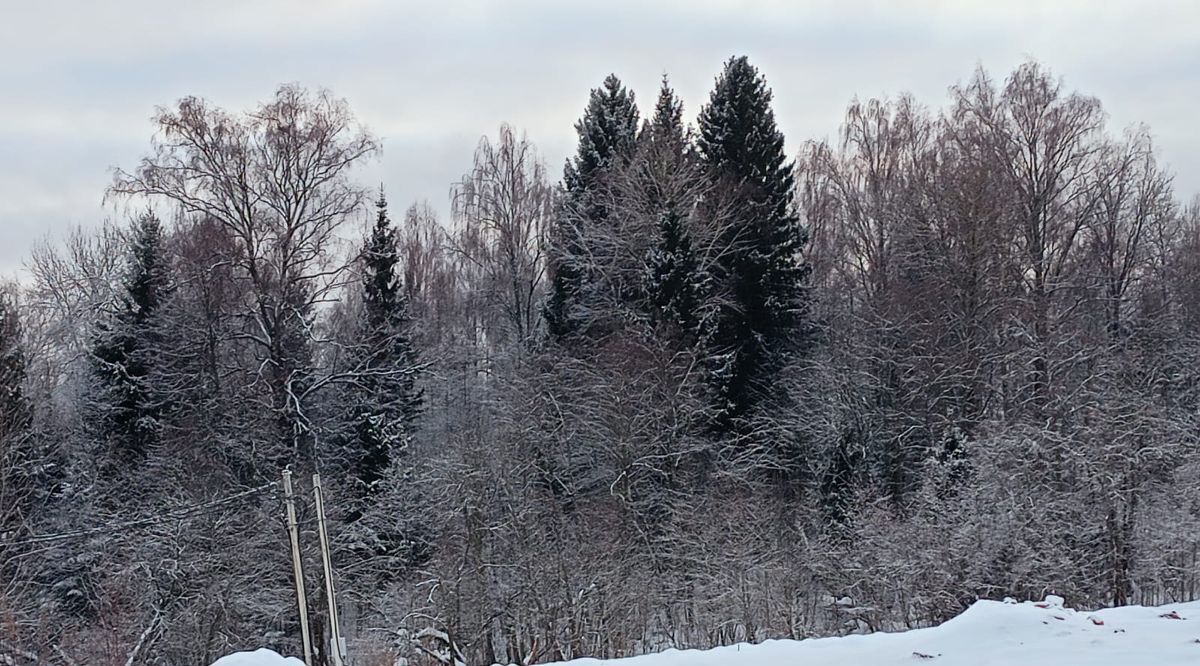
column 262, row 657
column 989, row 632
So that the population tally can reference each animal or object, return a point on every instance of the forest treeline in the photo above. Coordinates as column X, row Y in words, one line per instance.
column 698, row 391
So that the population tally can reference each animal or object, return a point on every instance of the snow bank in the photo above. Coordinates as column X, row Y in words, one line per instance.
column 261, row 657
column 989, row 632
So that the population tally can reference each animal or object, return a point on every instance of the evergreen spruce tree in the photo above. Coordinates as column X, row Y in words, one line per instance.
column 14, row 409
column 125, row 414
column 608, row 134
column 761, row 273
column 664, row 137
column 17, row 466
column 387, row 400
column 675, row 284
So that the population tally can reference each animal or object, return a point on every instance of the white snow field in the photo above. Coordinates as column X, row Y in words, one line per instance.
column 989, row 632
column 260, row 657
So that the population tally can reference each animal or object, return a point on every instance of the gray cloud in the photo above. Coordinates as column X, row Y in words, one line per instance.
column 80, row 79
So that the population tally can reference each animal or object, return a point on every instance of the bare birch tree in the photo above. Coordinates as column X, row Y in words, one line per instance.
column 277, row 179
column 502, row 211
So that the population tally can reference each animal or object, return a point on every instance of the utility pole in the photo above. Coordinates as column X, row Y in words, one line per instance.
column 297, row 566
column 337, row 645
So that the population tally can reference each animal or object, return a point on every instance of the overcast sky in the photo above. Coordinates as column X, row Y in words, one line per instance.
column 79, row 80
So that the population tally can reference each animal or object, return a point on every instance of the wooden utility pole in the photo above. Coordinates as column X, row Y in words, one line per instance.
column 336, row 644
column 297, row 566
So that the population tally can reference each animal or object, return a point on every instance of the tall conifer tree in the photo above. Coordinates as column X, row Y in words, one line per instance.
column 125, row 415
column 14, row 409
column 608, row 134
column 664, row 136
column 761, row 273
column 387, row 400
column 17, row 467
column 675, row 284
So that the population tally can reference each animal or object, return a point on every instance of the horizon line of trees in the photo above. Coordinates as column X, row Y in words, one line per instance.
column 697, row 392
